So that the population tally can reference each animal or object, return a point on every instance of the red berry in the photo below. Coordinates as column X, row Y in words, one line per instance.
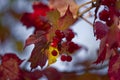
column 69, row 58
column 109, row 22
column 59, row 34
column 54, row 53
column 72, row 47
column 63, row 58
column 55, row 41
column 104, row 15
column 69, row 35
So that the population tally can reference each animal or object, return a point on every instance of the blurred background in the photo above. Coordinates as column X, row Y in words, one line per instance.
column 13, row 35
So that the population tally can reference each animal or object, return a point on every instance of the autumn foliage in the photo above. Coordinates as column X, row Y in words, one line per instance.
column 53, row 38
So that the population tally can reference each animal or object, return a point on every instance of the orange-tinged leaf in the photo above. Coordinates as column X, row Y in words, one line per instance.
column 66, row 21
column 62, row 5
column 9, row 68
column 53, row 17
column 61, row 23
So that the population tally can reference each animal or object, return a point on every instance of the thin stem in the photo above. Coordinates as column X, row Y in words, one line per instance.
column 86, row 10
column 86, row 20
column 85, row 4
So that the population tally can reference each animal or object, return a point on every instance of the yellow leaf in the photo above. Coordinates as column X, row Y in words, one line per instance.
column 51, row 58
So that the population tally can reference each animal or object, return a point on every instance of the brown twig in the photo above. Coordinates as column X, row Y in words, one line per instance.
column 86, row 20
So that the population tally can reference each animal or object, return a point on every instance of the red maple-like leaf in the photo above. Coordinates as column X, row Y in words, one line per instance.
column 37, row 18
column 114, row 67
column 38, row 56
column 100, row 29
column 9, row 68
column 109, row 42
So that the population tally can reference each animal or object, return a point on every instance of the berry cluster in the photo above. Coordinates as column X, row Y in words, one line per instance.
column 64, row 46
column 111, row 9
column 67, row 58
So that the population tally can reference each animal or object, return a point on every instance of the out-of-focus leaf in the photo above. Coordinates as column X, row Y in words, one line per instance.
column 114, row 67
column 9, row 68
column 19, row 46
column 38, row 56
column 37, row 18
column 4, row 33
column 15, row 15
column 62, row 5
column 85, row 76
column 35, row 75
column 52, row 74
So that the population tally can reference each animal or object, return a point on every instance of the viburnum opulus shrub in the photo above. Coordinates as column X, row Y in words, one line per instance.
column 53, row 38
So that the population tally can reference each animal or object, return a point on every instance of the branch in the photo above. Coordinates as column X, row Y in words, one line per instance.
column 86, row 10
column 85, row 4
column 86, row 20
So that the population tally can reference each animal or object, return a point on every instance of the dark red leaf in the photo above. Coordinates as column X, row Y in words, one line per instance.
column 109, row 42
column 52, row 74
column 100, row 29
column 35, row 38
column 102, row 55
column 114, row 67
column 38, row 56
column 9, row 68
column 35, row 75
